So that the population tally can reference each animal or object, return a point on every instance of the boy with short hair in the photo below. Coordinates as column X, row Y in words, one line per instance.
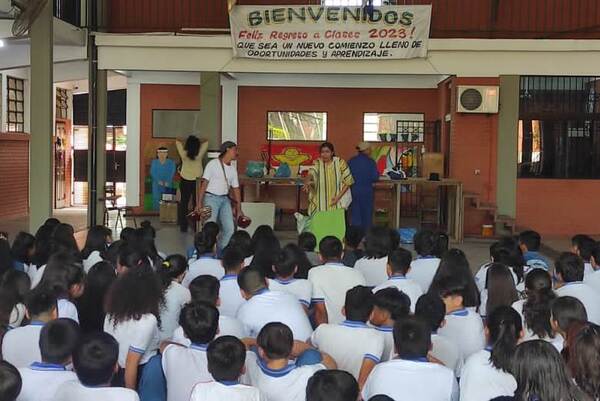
column 530, row 242
column 232, row 260
column 332, row 385
column 331, row 281
column 429, row 247
column 352, row 240
column 226, row 357
column 398, row 265
column 10, row 382
column 308, row 243
column 565, row 311
column 583, row 246
column 285, row 269
column 355, row 347
column 411, row 373
column 593, row 279
column 95, row 363
column 43, row 378
column 569, row 281
column 20, row 346
column 389, row 306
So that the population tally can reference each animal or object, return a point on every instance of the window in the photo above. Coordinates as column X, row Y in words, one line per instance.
column 15, row 104
column 62, row 103
column 296, row 126
column 351, row 3
column 393, row 127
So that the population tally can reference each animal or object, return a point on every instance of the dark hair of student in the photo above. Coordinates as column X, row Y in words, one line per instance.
column 585, row 244
column 276, row 340
column 332, row 385
column 394, row 238
column 541, row 375
column 508, row 252
column 61, row 275
column 131, row 257
column 127, row 234
column 112, row 252
column 504, row 327
column 431, row 308
column 394, row 301
column 261, row 232
column 354, row 236
column 6, row 260
column 205, row 288
column 134, row 294
column 531, row 239
column 226, row 357
column 359, row 303
column 596, row 253
column 242, row 241
column 172, row 267
column 205, row 242
column 428, row 243
column 536, row 309
column 90, row 306
column 454, row 263
column 96, row 241
column 14, row 286
column 144, row 241
column 380, row 397
column 43, row 245
column 307, row 241
column 566, row 311
column 501, row 288
column 22, row 247
column 266, row 252
column 95, row 358
column 192, row 147
column 51, row 222
column 39, row 301
column 399, row 260
column 451, row 286
column 63, row 240
column 10, row 382
column 412, row 338
column 331, row 248
column 570, row 267
column 58, row 340
column 302, row 261
column 232, row 258
column 286, row 262
column 378, row 242
column 199, row 321
column 251, row 280
column 584, row 363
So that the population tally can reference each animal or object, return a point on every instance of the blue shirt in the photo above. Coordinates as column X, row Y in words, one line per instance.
column 364, row 170
column 535, row 260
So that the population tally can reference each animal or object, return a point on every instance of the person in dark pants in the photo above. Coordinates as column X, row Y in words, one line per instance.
column 191, row 153
column 365, row 173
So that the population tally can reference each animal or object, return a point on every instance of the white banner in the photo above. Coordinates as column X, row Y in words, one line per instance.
column 330, row 33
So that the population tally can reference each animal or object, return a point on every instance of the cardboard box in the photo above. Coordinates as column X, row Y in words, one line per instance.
column 168, row 212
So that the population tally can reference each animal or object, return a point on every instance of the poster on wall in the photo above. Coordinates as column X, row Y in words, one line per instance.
column 330, row 33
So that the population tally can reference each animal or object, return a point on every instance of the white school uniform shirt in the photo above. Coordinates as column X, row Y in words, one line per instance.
column 330, row 282
column 444, row 350
column 139, row 336
column 389, row 351
column 205, row 264
column 230, row 296
column 37, row 275
column 587, row 269
column 225, row 391
column 75, row 391
column 67, row 309
column 16, row 316
column 176, row 297
column 480, row 380
column 248, row 260
column 214, row 174
column 465, row 328
column 422, row 271
column 20, row 346
column 268, row 306
column 420, row 380
column 593, row 280
column 91, row 260
column 406, row 285
column 586, row 294
column 300, row 288
column 373, row 269
column 557, row 341
column 349, row 344
column 42, row 380
column 228, row 326
column 183, row 368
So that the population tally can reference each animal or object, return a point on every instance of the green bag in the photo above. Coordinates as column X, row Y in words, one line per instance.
column 331, row 222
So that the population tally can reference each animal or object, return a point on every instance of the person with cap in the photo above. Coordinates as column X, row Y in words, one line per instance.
column 162, row 171
column 191, row 153
column 365, row 173
column 219, row 178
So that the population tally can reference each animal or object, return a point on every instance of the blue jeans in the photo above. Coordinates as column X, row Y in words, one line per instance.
column 221, row 214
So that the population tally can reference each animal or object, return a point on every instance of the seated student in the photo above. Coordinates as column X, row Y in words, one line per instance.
column 486, row 373
column 529, row 242
column 242, row 241
column 207, row 262
column 14, row 286
column 22, row 251
column 463, row 326
column 95, row 363
column 352, row 245
column 171, row 273
column 389, row 306
column 411, row 373
column 432, row 310
column 96, row 243
column 355, row 347
column 130, row 258
column 584, row 348
column 285, row 268
column 273, row 374
column 593, row 279
column 569, row 281
column 583, row 245
column 186, row 366
column 20, row 346
column 65, row 278
column 43, row 378
column 378, row 244
column 428, row 246
column 226, row 357
column 508, row 252
column 398, row 265
column 500, row 289
column 232, row 260
column 10, row 382
column 211, row 229
column 332, row 385
column 264, row 306
column 90, row 306
column 564, row 312
column 308, row 243
column 331, row 281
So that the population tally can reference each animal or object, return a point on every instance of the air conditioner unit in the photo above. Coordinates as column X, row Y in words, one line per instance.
column 478, row 99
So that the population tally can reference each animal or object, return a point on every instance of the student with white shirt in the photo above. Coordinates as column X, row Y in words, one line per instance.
column 584, row 348
column 332, row 385
column 226, row 357
column 355, row 347
column 10, row 382
column 96, row 243
column 90, row 306
column 207, row 263
column 429, row 247
column 43, row 378
column 583, row 245
column 95, row 363
column 569, row 271
column 22, row 251
column 242, row 241
column 593, row 279
column 389, row 306
column 486, row 373
column 499, row 289
column 373, row 266
column 230, row 296
column 331, row 281
column 455, row 266
column 20, row 346
column 507, row 252
column 66, row 281
column 564, row 313
column 264, row 306
column 398, row 266
column 129, row 257
column 411, row 374
column 285, row 268
column 171, row 273
column 14, row 286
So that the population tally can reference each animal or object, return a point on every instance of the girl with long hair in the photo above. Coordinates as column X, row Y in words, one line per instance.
column 266, row 251
column 242, row 241
column 96, row 243
column 584, row 358
column 171, row 273
column 454, row 263
column 22, row 251
column 14, row 286
column 63, row 240
column 90, row 306
column 378, row 244
column 64, row 278
column 499, row 289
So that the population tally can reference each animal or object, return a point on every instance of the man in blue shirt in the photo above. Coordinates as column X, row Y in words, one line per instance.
column 364, row 171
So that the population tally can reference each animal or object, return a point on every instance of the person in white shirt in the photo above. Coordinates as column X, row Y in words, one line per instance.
column 332, row 385
column 583, row 246
column 95, row 363
column 373, row 266
column 499, row 289
column 331, row 281
column 20, row 346
column 264, row 306
column 505, row 251
column 206, row 263
column 411, row 373
column 389, row 305
column 15, row 285
column 226, row 357
column 43, row 378
column 564, row 312
column 97, row 241
column 398, row 266
column 171, row 273
column 285, row 268
column 65, row 278
column 429, row 247
column 11, row 382
column 593, row 278
column 355, row 347
column 485, row 374
column 569, row 271
column 230, row 296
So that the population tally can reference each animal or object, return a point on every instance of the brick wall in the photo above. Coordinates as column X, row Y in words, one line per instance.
column 14, row 175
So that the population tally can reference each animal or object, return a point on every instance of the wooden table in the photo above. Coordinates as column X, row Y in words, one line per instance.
column 295, row 182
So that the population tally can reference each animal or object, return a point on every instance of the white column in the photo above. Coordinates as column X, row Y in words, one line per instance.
column 229, row 110
column 132, row 159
